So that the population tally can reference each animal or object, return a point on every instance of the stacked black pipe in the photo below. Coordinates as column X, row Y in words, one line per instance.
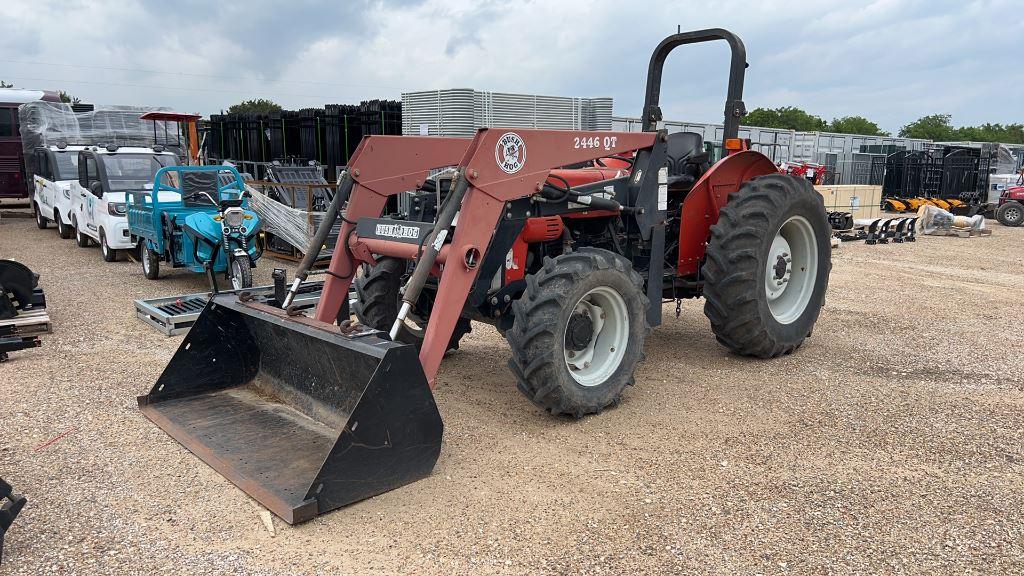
column 327, row 135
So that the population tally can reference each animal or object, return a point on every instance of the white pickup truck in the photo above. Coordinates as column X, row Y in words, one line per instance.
column 105, row 176
column 56, row 167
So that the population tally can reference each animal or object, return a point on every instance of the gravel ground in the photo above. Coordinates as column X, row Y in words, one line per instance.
column 890, row 443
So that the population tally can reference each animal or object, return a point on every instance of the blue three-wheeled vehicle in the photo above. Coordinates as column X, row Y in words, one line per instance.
column 209, row 228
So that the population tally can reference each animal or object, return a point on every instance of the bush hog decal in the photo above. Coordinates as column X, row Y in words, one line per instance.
column 510, row 153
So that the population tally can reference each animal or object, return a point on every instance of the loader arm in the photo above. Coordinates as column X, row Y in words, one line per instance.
column 381, row 166
column 497, row 166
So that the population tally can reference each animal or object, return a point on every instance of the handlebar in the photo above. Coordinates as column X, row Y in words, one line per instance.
column 158, row 185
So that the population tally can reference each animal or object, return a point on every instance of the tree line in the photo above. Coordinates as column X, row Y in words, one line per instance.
column 938, row 127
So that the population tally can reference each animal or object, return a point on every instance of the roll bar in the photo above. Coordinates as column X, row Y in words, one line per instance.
column 734, row 108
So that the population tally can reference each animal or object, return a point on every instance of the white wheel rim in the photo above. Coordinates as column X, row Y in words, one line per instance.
column 602, row 356
column 236, row 275
column 103, row 245
column 145, row 260
column 791, row 270
column 1012, row 214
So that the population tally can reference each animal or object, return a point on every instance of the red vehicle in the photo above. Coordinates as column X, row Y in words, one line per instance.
column 1011, row 207
column 809, row 170
column 568, row 242
column 13, row 183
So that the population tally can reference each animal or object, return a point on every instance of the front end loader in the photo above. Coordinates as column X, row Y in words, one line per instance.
column 569, row 242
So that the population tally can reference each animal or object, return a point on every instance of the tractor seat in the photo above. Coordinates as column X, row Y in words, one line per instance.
column 686, row 158
column 681, row 147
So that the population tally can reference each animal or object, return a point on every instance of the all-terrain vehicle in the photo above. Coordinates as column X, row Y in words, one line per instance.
column 1011, row 206
column 106, row 174
column 569, row 242
column 206, row 226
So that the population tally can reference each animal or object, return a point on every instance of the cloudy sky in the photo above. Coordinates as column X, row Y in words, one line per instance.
column 890, row 60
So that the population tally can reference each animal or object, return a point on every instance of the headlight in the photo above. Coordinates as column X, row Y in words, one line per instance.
column 116, row 208
column 234, row 217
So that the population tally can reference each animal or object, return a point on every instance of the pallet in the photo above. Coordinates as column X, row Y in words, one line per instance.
column 32, row 322
column 174, row 315
column 962, row 233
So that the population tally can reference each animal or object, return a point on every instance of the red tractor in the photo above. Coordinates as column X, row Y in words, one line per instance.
column 1010, row 211
column 568, row 242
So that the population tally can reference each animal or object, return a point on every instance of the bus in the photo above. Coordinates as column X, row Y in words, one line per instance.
column 13, row 183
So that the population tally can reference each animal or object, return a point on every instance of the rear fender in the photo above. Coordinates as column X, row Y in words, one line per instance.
column 709, row 194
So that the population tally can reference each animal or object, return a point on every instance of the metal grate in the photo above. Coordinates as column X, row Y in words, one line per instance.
column 183, row 306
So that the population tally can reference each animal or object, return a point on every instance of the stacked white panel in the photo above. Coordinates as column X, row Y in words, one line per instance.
column 460, row 112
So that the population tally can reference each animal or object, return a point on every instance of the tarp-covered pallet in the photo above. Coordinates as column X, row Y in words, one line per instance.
column 291, row 203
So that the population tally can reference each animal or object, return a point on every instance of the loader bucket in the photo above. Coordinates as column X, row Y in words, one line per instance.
column 300, row 416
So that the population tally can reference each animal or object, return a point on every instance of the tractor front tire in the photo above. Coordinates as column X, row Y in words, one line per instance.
column 767, row 266
column 1010, row 214
column 379, row 299
column 579, row 332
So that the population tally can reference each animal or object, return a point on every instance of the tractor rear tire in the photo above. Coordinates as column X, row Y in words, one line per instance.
column 1011, row 214
column 555, row 328
column 771, row 237
column 379, row 299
